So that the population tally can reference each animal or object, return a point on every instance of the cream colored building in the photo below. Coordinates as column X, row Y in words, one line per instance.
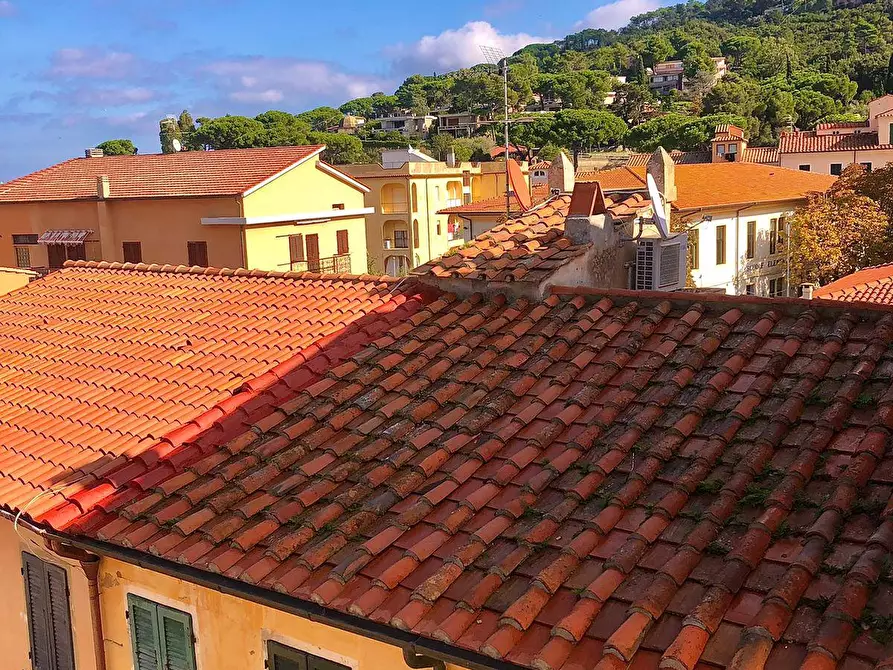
column 831, row 147
column 407, row 190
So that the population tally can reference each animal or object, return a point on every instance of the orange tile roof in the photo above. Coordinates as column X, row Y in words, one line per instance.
column 604, row 479
column 842, row 124
column 679, row 158
column 526, row 249
column 624, row 178
column 104, row 363
column 766, row 155
column 496, row 204
column 726, row 184
column 874, row 284
column 184, row 174
column 807, row 141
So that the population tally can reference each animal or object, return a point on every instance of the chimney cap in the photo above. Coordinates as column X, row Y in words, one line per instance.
column 93, row 152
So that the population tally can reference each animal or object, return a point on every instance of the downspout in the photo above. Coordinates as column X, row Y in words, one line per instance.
column 428, row 212
column 419, row 661
column 90, row 565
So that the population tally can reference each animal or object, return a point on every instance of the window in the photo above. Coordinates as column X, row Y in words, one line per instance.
column 804, row 168
column 415, row 198
column 338, row 205
column 437, row 194
column 438, row 228
column 295, row 251
column 161, row 636
column 24, row 239
column 776, row 235
column 401, row 241
column 720, row 245
column 751, row 238
column 694, row 238
column 49, row 616
column 776, row 287
column 867, row 166
column 280, row 657
column 198, row 253
column 750, row 289
column 133, row 252
column 343, row 244
column 836, row 169
column 415, row 233
column 733, row 149
column 23, row 257
column 720, row 149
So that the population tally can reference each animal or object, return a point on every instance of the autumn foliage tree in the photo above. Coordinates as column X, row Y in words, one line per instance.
column 838, row 232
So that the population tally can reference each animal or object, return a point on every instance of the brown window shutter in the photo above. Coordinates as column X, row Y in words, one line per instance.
column 296, row 248
column 133, row 252
column 60, row 617
column 198, row 253
column 49, row 614
column 343, row 245
column 313, row 247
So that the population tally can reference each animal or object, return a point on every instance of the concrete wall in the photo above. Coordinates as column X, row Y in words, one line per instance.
column 15, row 644
column 267, row 245
column 821, row 162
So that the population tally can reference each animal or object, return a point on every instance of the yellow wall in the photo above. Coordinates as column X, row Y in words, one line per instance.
column 267, row 245
column 13, row 278
column 229, row 632
column 14, row 641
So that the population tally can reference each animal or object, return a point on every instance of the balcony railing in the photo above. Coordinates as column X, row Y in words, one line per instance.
column 332, row 265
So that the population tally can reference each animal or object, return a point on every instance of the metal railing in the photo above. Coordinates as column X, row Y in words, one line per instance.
column 331, row 265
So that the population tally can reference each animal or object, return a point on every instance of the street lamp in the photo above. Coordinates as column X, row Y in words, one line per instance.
column 496, row 56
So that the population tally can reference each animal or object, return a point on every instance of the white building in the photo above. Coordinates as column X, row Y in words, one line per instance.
column 736, row 217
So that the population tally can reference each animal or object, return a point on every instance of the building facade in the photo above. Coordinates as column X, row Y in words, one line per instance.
column 407, row 192
column 408, row 125
column 273, row 209
column 669, row 75
column 831, row 147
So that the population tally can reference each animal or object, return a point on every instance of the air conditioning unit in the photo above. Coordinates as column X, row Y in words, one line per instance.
column 661, row 263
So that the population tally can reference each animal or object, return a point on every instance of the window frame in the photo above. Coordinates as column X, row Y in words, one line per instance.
column 721, row 256
column 867, row 166
column 405, row 237
column 805, row 167
column 160, row 613
column 751, row 246
column 191, row 247
column 304, row 659
column 23, row 256
column 839, row 167
column 139, row 248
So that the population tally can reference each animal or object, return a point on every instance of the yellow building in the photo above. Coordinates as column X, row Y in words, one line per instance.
column 279, row 208
column 407, row 190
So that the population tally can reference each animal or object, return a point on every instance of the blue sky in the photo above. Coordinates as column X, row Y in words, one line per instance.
column 78, row 72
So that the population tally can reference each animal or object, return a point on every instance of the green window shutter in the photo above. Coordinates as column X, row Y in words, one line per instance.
column 317, row 663
column 177, row 648
column 285, row 658
column 144, row 633
column 34, row 572
column 59, row 614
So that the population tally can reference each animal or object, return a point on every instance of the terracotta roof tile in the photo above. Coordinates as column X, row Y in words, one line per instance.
column 497, row 205
column 101, row 361
column 724, row 184
column 679, row 158
column 765, row 155
column 874, row 284
column 808, row 141
column 184, row 174
column 636, row 480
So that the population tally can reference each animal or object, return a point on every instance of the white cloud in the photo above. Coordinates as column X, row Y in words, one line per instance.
column 113, row 97
column 7, row 8
column 92, row 63
column 617, row 14
column 272, row 80
column 454, row 49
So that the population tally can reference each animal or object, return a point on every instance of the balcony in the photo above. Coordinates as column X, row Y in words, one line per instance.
column 339, row 264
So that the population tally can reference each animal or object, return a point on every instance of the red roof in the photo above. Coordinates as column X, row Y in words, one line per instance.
column 496, row 205
column 679, row 158
column 807, row 141
column 184, row 174
column 765, row 155
column 874, row 284
column 724, row 184
column 623, row 178
column 842, row 125
column 600, row 479
column 101, row 364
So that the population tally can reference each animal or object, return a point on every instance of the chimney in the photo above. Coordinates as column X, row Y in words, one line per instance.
column 561, row 175
column 103, row 187
column 806, row 290
column 93, row 152
column 663, row 170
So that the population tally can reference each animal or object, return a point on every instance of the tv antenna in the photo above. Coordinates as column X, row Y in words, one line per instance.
column 496, row 56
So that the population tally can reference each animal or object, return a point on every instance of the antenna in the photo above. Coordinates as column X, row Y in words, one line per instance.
column 495, row 56
column 660, row 212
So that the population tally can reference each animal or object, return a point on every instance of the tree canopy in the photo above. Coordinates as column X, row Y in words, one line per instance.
column 117, row 148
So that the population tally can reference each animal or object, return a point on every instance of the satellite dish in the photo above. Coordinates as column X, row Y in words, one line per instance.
column 177, row 145
column 660, row 212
